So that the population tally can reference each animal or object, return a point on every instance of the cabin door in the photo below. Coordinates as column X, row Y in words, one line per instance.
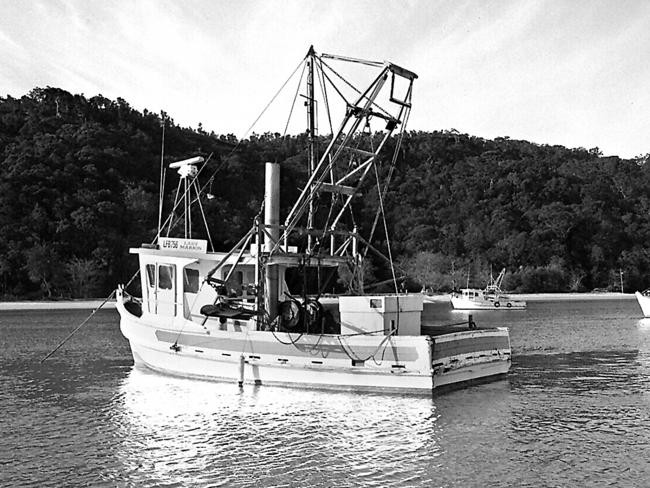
column 160, row 294
column 190, row 289
column 149, row 290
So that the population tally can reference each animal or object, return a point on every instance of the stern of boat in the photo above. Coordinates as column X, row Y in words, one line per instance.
column 470, row 356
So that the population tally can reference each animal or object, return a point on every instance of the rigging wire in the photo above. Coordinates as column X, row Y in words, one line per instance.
column 176, row 204
column 79, row 327
column 381, row 193
column 162, row 173
column 225, row 159
column 390, row 171
column 323, row 89
column 328, row 112
column 109, row 297
column 299, row 208
column 295, row 97
column 388, row 247
column 302, row 204
column 205, row 221
column 336, row 88
column 272, row 99
column 350, row 85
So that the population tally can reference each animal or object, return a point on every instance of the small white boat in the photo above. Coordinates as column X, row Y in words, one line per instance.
column 231, row 315
column 644, row 301
column 491, row 298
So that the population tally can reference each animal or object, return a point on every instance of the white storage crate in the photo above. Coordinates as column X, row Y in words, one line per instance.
column 379, row 313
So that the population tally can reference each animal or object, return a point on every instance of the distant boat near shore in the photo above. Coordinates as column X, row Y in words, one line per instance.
column 491, row 298
column 476, row 299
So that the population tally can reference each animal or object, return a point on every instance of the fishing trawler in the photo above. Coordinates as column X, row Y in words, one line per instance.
column 489, row 298
column 232, row 316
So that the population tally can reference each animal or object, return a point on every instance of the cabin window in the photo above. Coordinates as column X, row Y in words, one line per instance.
column 151, row 275
column 375, row 303
column 165, row 277
column 191, row 280
column 235, row 283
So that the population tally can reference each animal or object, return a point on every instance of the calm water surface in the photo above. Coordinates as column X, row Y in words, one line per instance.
column 574, row 411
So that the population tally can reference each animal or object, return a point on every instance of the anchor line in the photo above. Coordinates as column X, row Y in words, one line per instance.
column 109, row 297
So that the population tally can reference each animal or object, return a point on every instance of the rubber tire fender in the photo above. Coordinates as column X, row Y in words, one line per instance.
column 290, row 313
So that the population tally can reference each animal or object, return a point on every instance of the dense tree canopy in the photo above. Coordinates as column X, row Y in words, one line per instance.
column 79, row 180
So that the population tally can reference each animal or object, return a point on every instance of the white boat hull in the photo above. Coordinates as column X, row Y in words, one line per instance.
column 417, row 364
column 644, row 303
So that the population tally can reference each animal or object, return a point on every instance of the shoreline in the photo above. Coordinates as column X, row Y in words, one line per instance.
column 96, row 303
column 576, row 296
column 57, row 305
column 540, row 297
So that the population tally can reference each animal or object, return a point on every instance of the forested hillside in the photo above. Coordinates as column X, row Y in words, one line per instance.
column 79, row 186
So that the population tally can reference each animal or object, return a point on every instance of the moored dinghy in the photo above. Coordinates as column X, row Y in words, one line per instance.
column 230, row 315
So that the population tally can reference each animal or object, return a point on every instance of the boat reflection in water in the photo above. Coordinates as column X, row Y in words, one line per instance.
column 268, row 436
column 644, row 323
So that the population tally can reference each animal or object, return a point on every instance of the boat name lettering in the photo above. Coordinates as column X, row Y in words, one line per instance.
column 186, row 245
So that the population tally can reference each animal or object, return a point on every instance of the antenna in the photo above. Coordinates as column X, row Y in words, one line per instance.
column 162, row 175
column 187, row 170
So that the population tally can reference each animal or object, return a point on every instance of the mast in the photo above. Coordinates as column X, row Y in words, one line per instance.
column 311, row 137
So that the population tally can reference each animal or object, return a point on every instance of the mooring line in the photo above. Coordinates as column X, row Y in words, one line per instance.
column 80, row 326
column 87, row 319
